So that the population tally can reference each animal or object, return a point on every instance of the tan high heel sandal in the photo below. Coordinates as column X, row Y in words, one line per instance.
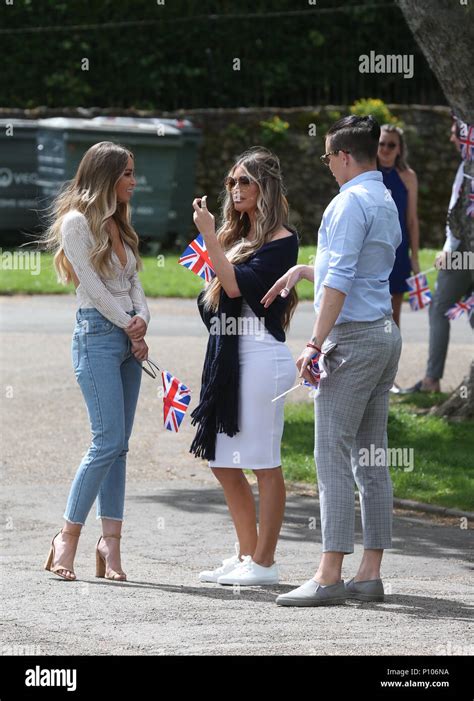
column 50, row 559
column 100, row 564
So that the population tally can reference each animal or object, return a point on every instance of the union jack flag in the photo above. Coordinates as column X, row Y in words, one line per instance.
column 465, row 305
column 196, row 258
column 176, row 398
column 470, row 208
column 315, row 371
column 419, row 294
column 466, row 139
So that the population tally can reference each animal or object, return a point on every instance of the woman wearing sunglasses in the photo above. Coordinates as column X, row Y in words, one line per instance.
column 402, row 182
column 247, row 362
column 96, row 248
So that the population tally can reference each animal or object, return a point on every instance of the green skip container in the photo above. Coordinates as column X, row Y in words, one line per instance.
column 164, row 165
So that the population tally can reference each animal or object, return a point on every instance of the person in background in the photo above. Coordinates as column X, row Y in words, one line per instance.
column 402, row 183
column 451, row 286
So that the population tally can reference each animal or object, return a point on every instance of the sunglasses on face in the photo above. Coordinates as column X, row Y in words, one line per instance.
column 242, row 181
column 388, row 144
column 325, row 158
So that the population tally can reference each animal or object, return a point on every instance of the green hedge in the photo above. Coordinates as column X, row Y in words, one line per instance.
column 181, row 53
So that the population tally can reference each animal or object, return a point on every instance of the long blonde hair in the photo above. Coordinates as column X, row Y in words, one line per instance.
column 263, row 168
column 92, row 192
column 401, row 159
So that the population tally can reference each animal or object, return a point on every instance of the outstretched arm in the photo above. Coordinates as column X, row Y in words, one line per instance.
column 284, row 284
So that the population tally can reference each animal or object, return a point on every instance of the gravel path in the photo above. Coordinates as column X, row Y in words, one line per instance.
column 177, row 522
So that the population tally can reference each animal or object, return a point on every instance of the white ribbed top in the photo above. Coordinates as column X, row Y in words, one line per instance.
column 111, row 297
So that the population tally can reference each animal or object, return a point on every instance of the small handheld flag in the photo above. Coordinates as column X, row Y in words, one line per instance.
column 464, row 306
column 196, row 258
column 419, row 293
column 466, row 141
column 315, row 372
column 176, row 398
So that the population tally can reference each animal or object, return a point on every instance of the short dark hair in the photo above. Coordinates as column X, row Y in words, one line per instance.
column 359, row 135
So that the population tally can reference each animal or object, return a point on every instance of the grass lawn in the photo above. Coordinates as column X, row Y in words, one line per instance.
column 161, row 276
column 443, row 467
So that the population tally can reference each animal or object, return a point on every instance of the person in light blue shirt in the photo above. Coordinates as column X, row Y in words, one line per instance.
column 358, row 237
column 357, row 345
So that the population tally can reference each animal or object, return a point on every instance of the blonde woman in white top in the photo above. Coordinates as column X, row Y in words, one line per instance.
column 96, row 247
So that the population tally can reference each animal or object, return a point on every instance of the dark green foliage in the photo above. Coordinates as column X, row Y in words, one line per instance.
column 180, row 55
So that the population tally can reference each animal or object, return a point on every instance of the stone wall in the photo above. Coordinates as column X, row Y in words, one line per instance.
column 309, row 183
column 310, row 186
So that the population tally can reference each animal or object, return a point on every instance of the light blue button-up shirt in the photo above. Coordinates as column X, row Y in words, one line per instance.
column 359, row 234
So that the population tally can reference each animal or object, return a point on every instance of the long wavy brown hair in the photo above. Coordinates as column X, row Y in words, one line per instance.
column 263, row 168
column 92, row 192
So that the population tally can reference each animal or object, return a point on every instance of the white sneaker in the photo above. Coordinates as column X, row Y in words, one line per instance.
column 227, row 566
column 249, row 573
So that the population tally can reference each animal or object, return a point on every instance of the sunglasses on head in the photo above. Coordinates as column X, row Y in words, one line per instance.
column 326, row 156
column 242, row 181
column 389, row 144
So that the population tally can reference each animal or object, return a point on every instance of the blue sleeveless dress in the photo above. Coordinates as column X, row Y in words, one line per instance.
column 402, row 266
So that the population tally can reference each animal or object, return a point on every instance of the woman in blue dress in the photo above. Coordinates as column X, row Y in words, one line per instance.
column 402, row 182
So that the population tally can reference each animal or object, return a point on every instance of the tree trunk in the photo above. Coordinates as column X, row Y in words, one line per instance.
column 444, row 30
column 460, row 405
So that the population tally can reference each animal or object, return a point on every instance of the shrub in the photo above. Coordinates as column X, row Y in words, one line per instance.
column 377, row 108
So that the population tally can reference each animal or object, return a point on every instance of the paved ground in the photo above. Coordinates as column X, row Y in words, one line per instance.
column 177, row 524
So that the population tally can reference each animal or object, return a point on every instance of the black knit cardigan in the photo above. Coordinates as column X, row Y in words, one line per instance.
column 218, row 408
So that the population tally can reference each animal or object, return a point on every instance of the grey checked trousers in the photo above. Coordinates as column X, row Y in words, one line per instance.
column 451, row 286
column 351, row 412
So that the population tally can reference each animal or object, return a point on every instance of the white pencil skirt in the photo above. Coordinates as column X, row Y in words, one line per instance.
column 267, row 369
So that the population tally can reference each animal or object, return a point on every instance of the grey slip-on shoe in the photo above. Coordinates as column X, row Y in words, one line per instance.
column 411, row 390
column 311, row 593
column 368, row 590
